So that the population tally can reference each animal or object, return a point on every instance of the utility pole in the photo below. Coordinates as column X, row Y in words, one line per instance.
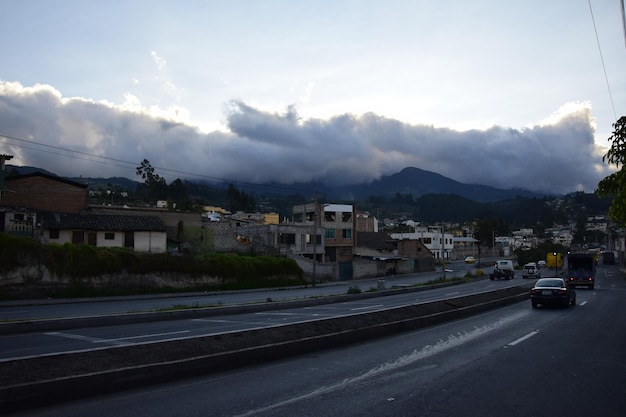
column 314, row 235
column 443, row 253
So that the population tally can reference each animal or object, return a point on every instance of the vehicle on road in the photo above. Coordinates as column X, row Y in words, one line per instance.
column 608, row 258
column 541, row 264
column 581, row 270
column 531, row 270
column 503, row 269
column 554, row 260
column 470, row 260
column 552, row 291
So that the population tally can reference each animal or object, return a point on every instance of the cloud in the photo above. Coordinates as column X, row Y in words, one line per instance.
column 558, row 155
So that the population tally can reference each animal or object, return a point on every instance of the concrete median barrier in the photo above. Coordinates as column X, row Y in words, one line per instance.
column 42, row 380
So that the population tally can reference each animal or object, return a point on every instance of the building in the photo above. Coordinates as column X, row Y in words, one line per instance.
column 139, row 233
column 440, row 243
column 43, row 192
column 53, row 209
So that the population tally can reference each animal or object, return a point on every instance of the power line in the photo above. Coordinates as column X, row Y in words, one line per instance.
column 608, row 86
column 57, row 150
column 623, row 20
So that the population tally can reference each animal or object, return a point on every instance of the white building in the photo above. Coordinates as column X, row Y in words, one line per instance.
column 435, row 239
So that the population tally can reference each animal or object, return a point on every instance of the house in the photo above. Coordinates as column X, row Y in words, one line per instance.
column 139, row 233
column 382, row 252
column 441, row 244
column 44, row 192
column 337, row 222
column 55, row 210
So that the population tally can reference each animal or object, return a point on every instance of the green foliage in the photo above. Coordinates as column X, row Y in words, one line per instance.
column 538, row 253
column 354, row 290
column 240, row 201
column 16, row 251
column 80, row 263
column 615, row 184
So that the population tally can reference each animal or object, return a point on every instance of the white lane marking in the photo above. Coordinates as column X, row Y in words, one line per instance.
column 400, row 362
column 287, row 314
column 583, row 303
column 521, row 339
column 117, row 341
column 367, row 307
column 452, row 293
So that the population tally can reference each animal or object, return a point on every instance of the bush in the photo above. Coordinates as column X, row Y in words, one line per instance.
column 77, row 263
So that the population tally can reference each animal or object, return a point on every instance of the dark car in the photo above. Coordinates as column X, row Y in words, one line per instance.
column 554, row 291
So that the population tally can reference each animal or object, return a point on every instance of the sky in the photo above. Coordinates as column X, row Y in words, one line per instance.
column 508, row 94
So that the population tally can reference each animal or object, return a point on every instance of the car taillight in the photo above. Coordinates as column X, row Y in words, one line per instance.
column 534, row 291
column 562, row 292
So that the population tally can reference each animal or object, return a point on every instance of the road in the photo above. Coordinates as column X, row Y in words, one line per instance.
column 506, row 362
column 46, row 309
column 15, row 346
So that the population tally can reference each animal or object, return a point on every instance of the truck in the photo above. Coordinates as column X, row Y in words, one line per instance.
column 554, row 261
column 581, row 270
column 608, row 258
column 503, row 269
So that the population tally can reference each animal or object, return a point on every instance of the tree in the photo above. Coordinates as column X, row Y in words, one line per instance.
column 155, row 186
column 615, row 184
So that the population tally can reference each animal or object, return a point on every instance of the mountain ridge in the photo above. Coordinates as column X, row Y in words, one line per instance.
column 409, row 181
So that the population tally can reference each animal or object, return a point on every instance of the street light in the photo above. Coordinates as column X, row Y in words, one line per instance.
column 556, row 264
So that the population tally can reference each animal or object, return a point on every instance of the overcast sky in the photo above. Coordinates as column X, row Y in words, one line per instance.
column 508, row 94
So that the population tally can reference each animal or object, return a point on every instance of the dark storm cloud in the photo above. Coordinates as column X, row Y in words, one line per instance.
column 263, row 146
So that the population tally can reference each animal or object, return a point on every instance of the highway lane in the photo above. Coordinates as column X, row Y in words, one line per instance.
column 46, row 309
column 39, row 343
column 511, row 361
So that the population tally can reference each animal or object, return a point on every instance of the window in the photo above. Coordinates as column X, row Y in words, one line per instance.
column 109, row 236
column 54, row 233
column 427, row 240
column 287, row 239
column 346, row 233
column 330, row 233
column 297, row 217
column 346, row 216
column 329, row 216
column 309, row 239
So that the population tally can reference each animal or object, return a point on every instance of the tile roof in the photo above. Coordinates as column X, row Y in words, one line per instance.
column 102, row 222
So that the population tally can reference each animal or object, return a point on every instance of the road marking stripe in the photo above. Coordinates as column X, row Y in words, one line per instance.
column 521, row 339
column 367, row 307
column 119, row 341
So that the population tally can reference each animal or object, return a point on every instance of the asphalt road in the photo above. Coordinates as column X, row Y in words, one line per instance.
column 512, row 361
column 63, row 308
column 14, row 346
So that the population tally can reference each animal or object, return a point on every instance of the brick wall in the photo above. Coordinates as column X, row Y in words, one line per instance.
column 44, row 194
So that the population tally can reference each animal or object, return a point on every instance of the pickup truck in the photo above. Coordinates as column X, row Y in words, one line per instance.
column 503, row 269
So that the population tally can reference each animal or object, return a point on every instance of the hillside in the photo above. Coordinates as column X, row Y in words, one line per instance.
column 410, row 181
